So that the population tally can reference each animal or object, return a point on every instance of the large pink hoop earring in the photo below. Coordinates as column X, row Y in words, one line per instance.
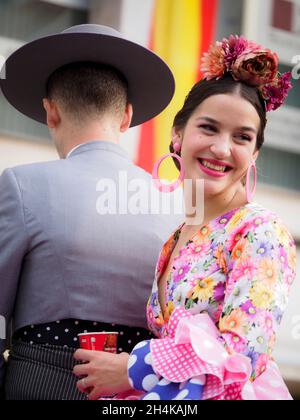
column 250, row 194
column 157, row 182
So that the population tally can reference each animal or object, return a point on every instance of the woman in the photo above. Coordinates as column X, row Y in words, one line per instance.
column 220, row 289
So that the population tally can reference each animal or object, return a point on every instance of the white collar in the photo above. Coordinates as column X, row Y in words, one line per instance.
column 74, row 148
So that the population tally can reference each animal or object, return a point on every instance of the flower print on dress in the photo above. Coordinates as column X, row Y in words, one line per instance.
column 236, row 322
column 180, row 270
column 258, row 340
column 263, row 248
column 262, row 295
column 219, row 292
column 239, row 294
column 236, row 236
column 283, row 258
column 203, row 235
column 235, row 220
column 235, row 342
column 180, row 294
column 268, row 271
column 250, row 309
column 220, row 256
column 253, row 356
column 203, row 289
column 197, row 250
column 245, row 269
column 261, row 364
column 288, row 276
column 266, row 322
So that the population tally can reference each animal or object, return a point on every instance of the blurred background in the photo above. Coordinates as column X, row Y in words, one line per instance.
column 179, row 31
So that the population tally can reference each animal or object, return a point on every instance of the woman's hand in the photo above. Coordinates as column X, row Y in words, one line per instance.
column 105, row 374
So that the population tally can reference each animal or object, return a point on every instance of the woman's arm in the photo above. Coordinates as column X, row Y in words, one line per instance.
column 262, row 268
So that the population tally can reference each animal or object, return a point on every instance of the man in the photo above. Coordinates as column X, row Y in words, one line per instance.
column 65, row 268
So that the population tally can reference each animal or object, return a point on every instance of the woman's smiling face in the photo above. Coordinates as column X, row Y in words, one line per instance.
column 218, row 143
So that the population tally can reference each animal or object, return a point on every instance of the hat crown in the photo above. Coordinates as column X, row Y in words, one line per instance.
column 93, row 29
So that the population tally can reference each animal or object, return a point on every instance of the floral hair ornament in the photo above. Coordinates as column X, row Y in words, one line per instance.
column 250, row 63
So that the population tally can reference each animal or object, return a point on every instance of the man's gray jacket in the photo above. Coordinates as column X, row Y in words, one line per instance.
column 60, row 258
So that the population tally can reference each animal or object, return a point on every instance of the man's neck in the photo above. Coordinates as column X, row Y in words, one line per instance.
column 88, row 140
column 75, row 137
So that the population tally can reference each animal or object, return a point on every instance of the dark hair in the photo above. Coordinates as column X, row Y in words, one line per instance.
column 227, row 85
column 87, row 88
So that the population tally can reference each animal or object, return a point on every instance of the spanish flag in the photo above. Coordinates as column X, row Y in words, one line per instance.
column 181, row 31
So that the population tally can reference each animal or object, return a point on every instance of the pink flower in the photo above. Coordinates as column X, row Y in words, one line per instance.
column 266, row 322
column 197, row 250
column 245, row 268
column 180, row 270
column 289, row 277
column 283, row 259
column 235, row 342
column 236, row 235
column 235, row 46
column 276, row 92
column 261, row 364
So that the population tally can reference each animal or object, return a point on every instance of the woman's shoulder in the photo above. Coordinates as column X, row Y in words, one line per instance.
column 256, row 218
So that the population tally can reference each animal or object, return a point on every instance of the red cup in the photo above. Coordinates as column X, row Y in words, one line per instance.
column 100, row 341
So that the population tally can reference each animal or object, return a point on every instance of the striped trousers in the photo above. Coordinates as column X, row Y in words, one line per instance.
column 36, row 372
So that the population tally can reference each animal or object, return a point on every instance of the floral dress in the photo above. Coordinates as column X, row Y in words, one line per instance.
column 225, row 298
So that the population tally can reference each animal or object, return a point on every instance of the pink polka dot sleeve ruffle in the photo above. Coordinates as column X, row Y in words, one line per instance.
column 193, row 348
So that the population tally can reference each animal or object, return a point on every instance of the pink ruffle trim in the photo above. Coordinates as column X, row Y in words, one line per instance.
column 193, row 350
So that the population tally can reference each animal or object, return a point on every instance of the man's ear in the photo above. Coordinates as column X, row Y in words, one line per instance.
column 127, row 118
column 53, row 115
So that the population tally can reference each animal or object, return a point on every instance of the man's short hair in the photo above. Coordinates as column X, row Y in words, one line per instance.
column 87, row 89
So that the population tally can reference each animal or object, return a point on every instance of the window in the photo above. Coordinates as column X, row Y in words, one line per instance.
column 75, row 4
column 279, row 168
column 26, row 20
column 294, row 94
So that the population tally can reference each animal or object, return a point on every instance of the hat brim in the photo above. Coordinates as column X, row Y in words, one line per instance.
column 151, row 82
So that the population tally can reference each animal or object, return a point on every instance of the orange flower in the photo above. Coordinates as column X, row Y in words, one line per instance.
column 267, row 271
column 239, row 252
column 236, row 322
column 165, row 255
column 221, row 260
column 202, row 235
column 213, row 62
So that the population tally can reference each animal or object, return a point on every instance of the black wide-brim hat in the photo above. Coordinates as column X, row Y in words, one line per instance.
column 27, row 70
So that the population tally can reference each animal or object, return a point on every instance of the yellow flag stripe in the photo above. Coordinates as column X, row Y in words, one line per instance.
column 177, row 39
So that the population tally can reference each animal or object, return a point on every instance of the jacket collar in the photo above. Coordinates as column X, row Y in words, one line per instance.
column 98, row 145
